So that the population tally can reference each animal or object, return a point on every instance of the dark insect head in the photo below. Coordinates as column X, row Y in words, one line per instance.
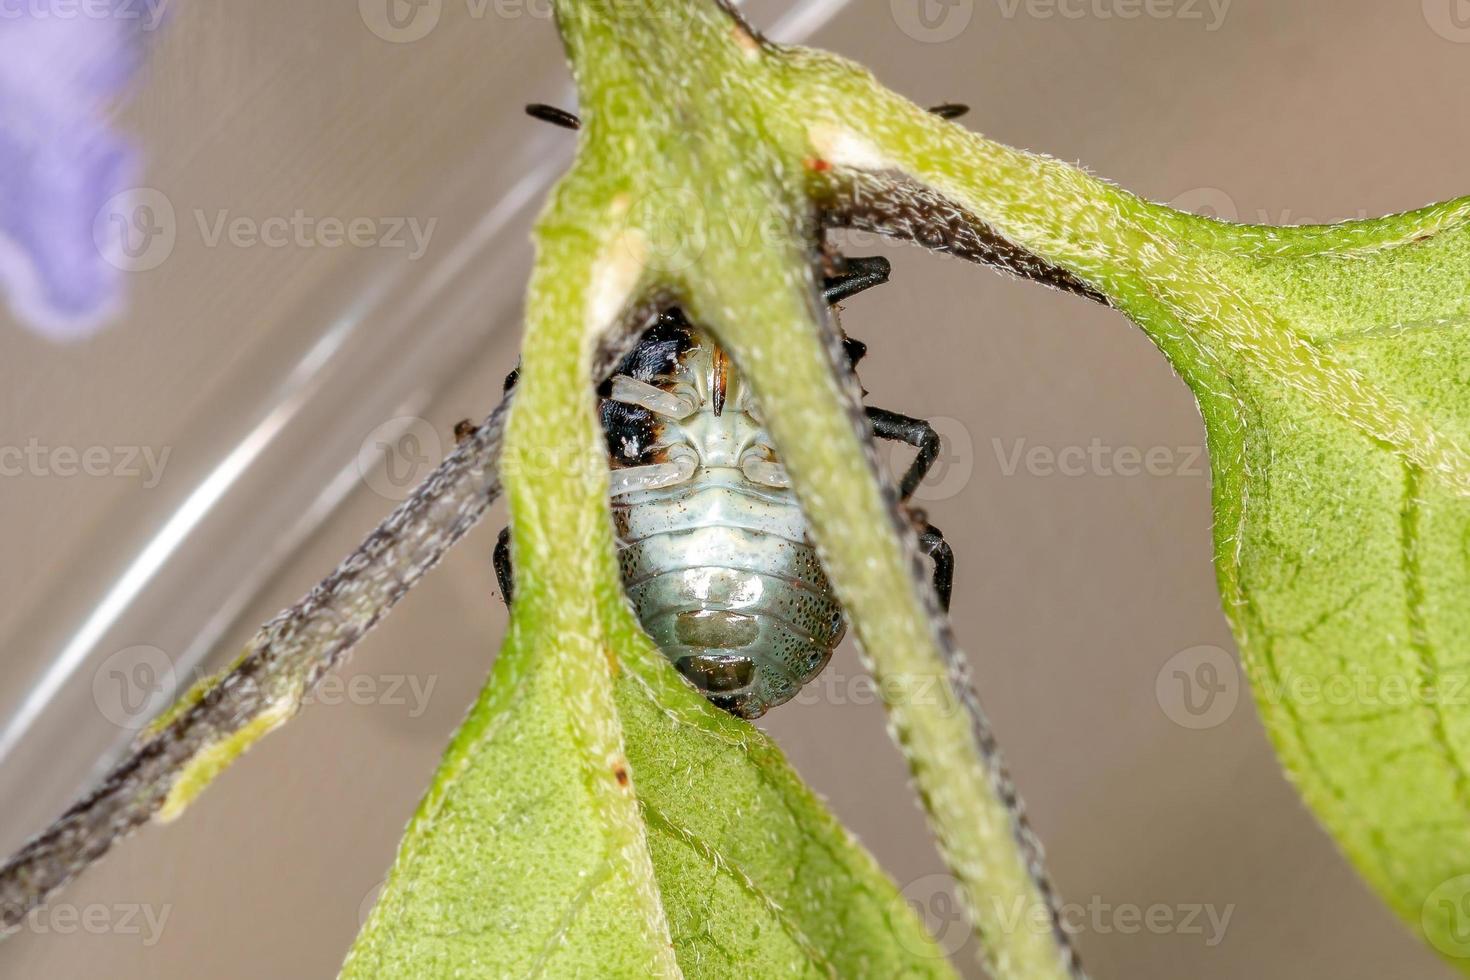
column 631, row 429
column 660, row 347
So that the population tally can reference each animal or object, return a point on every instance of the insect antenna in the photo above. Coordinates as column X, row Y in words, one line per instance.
column 553, row 115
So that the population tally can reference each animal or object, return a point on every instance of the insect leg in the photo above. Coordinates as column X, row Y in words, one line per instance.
column 553, row 115
column 921, row 435
column 932, row 543
column 914, row 432
column 950, row 110
column 861, row 274
column 505, row 574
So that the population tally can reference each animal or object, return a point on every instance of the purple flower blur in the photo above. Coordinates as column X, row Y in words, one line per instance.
column 63, row 66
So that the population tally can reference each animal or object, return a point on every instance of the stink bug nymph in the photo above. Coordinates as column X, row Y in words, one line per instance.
column 713, row 547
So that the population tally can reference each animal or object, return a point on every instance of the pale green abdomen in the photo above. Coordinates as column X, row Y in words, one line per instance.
column 723, row 579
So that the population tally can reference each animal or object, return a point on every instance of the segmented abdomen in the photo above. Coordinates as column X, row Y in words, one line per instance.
column 724, row 581
column 714, row 548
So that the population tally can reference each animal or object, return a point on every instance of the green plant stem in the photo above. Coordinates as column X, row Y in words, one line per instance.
column 739, row 259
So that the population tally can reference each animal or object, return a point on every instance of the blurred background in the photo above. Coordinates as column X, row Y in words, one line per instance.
column 268, row 397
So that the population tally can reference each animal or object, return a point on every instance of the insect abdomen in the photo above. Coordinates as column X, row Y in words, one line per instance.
column 714, row 548
column 724, row 582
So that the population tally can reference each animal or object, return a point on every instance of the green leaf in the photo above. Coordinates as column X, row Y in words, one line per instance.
column 1343, row 546
column 522, row 860
column 1330, row 365
column 527, row 856
column 722, row 222
column 758, row 878
column 1332, row 368
column 595, row 816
